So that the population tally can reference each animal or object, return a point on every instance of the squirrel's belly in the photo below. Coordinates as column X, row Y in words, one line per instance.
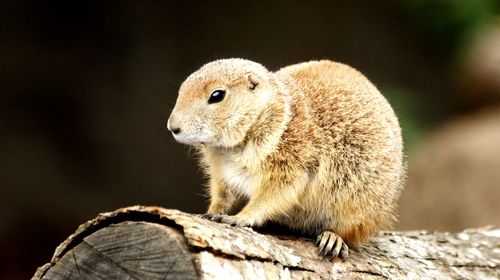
column 238, row 179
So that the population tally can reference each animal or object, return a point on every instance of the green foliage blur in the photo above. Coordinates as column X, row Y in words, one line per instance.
column 447, row 23
column 447, row 27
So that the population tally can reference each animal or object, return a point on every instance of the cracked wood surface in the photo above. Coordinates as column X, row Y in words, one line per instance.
column 154, row 243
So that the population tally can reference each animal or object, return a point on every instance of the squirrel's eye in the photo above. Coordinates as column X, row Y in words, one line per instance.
column 216, row 96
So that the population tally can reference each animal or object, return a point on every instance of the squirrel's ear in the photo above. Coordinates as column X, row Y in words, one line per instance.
column 253, row 80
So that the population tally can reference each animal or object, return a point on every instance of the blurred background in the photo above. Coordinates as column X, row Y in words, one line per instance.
column 87, row 87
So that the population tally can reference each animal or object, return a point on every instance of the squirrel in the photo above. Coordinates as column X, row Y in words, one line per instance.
column 314, row 146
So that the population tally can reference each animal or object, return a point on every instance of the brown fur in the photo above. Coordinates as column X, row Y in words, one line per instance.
column 314, row 146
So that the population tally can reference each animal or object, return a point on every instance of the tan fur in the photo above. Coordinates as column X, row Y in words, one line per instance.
column 314, row 146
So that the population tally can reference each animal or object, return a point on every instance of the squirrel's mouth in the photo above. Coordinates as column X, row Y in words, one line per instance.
column 193, row 136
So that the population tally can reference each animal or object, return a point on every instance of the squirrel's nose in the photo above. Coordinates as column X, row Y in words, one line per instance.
column 173, row 126
column 175, row 130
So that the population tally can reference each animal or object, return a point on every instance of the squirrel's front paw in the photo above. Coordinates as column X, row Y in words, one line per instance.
column 226, row 219
column 208, row 216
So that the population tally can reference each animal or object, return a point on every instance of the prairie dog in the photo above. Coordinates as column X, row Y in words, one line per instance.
column 313, row 146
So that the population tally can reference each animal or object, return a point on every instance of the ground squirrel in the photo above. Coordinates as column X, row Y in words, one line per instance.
column 313, row 146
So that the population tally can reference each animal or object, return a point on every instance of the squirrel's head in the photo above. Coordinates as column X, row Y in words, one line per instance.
column 218, row 104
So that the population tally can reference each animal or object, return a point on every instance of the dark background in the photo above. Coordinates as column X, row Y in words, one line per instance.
column 86, row 88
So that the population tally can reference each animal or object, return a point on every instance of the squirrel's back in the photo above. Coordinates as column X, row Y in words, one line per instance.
column 359, row 144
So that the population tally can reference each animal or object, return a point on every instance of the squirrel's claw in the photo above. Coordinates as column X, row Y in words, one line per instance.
column 331, row 245
column 227, row 219
column 207, row 216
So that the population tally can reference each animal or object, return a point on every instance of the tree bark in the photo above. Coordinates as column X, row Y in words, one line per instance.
column 154, row 243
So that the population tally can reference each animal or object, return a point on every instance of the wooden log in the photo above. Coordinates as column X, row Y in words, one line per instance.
column 154, row 243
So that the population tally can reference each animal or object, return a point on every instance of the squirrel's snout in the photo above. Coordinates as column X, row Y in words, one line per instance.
column 173, row 125
column 175, row 130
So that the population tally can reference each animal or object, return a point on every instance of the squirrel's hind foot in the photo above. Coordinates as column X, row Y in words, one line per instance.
column 331, row 245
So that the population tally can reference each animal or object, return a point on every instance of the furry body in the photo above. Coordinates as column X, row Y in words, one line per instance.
column 313, row 146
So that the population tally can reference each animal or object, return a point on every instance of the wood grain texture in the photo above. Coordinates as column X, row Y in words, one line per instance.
column 127, row 250
column 154, row 243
